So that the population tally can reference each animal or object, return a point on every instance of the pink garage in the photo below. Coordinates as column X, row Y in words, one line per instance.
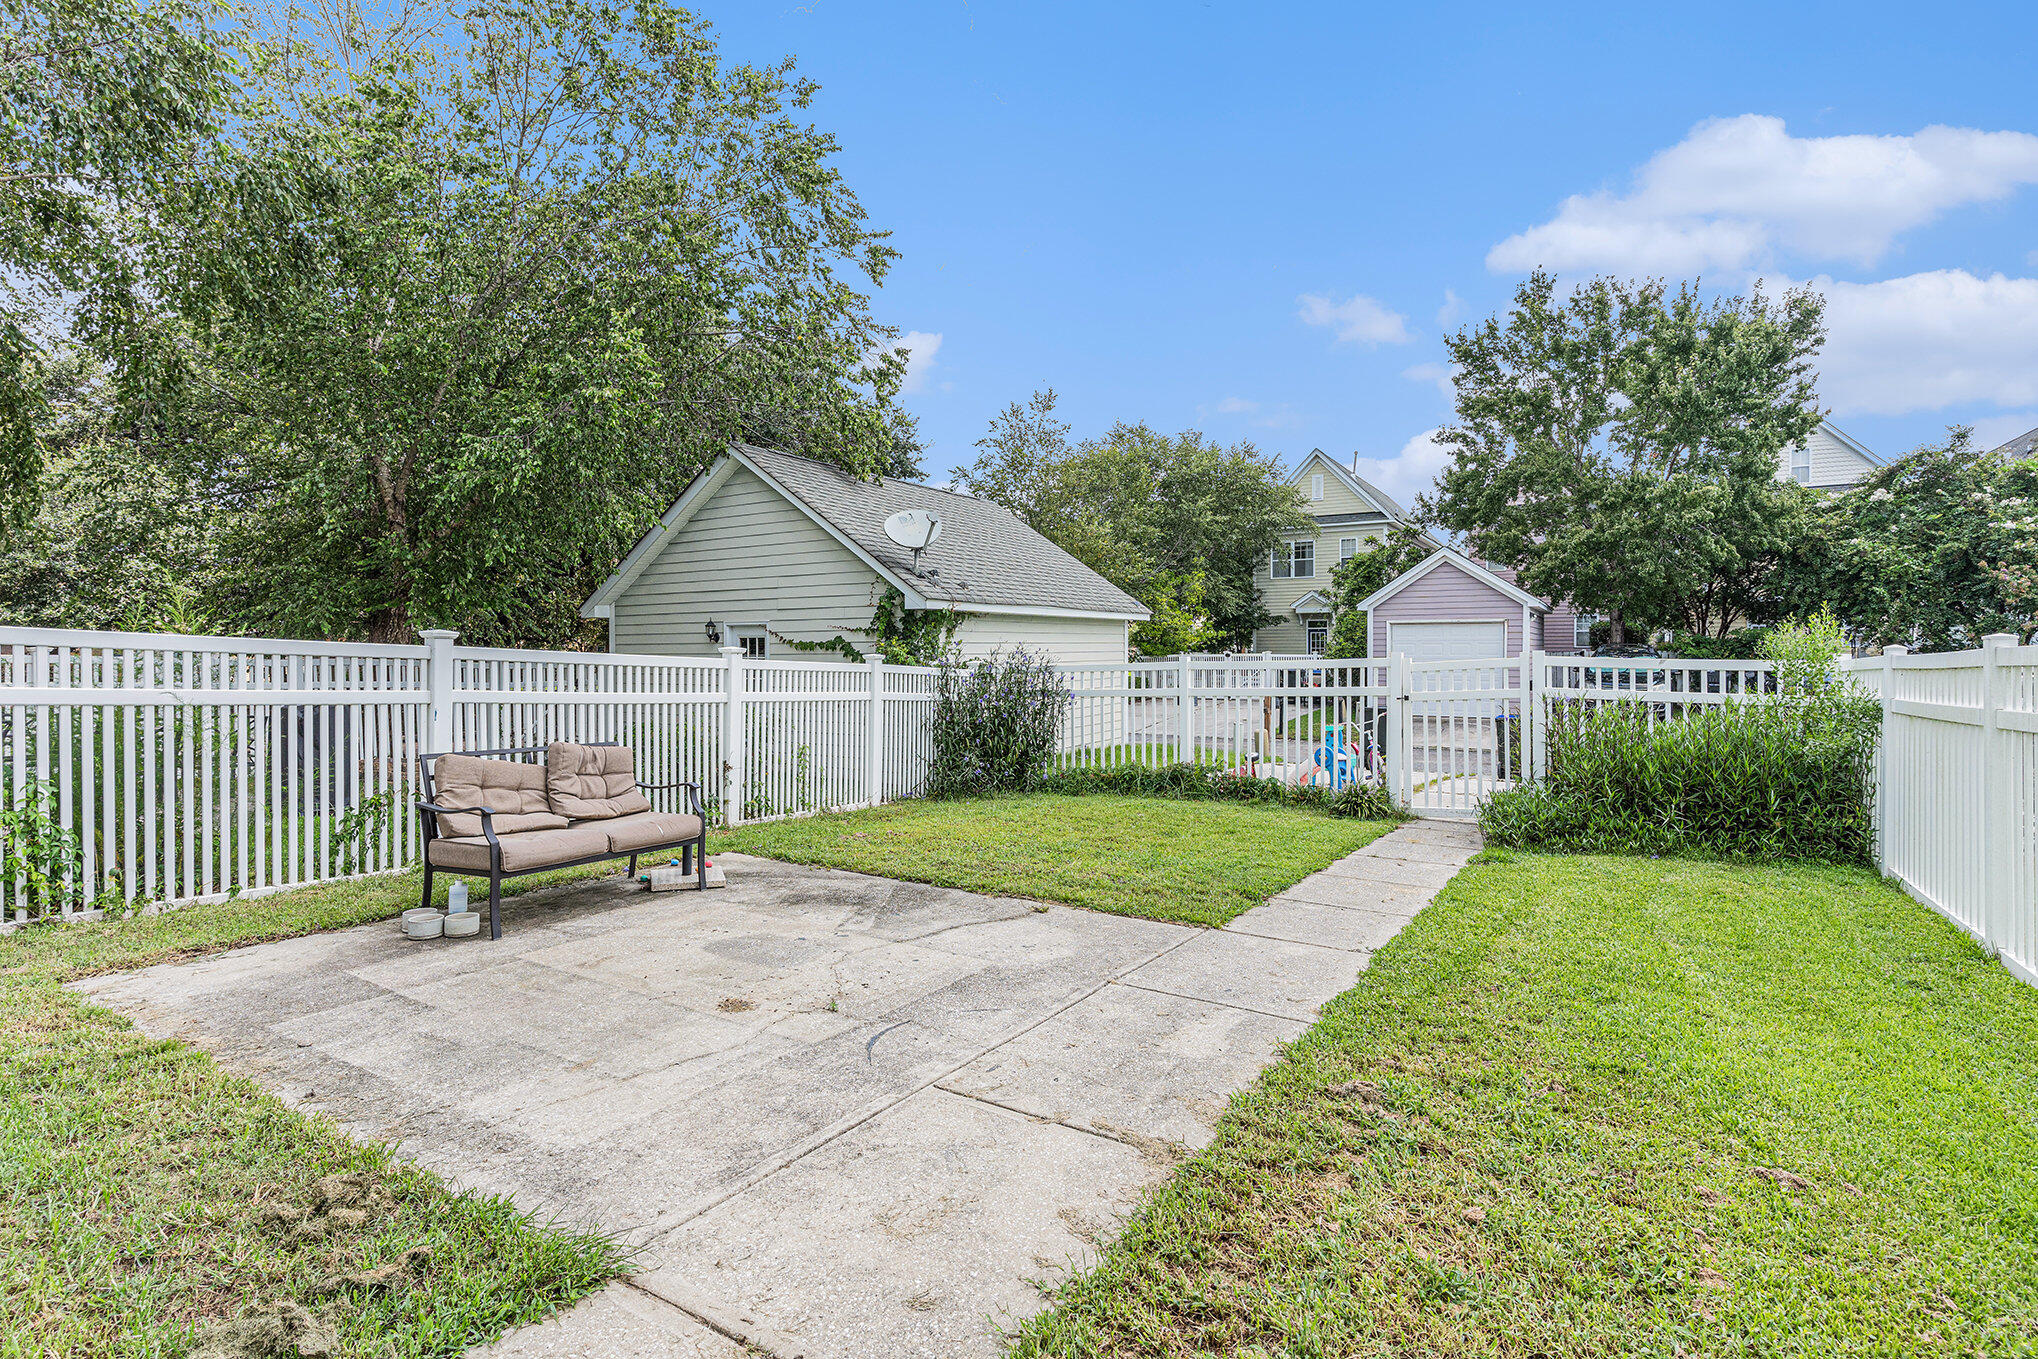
column 1449, row 607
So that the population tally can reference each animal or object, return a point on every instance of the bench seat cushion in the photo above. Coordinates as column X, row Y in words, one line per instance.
column 524, row 850
column 514, row 791
column 591, row 783
column 644, row 829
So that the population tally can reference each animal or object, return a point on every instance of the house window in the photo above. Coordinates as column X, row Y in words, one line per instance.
column 1316, row 486
column 1581, row 631
column 1801, row 465
column 1296, row 560
column 753, row 640
column 1347, row 548
column 1319, row 635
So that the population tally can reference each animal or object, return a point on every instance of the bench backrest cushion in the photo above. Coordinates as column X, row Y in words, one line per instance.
column 591, row 783
column 515, row 792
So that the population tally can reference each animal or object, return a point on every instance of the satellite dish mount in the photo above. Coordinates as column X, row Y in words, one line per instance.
column 914, row 530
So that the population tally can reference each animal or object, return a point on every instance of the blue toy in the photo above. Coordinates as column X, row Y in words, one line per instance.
column 1334, row 757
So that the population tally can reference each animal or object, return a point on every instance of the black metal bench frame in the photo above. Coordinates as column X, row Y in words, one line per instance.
column 693, row 851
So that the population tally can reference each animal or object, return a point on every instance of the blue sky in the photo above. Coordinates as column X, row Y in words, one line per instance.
column 1257, row 221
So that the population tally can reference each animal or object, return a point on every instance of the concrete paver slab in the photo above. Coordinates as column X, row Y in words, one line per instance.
column 1421, row 851
column 918, row 1232
column 1126, row 1060
column 1308, row 922
column 620, row 1322
column 1377, row 868
column 1385, row 897
column 1272, row 976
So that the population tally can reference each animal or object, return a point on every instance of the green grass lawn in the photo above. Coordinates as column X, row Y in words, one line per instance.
column 1201, row 862
column 1593, row 1106
column 140, row 1183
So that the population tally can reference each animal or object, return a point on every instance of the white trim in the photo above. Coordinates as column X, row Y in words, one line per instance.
column 1317, row 602
column 914, row 598
column 705, row 483
column 1033, row 610
column 1463, row 563
column 1853, row 444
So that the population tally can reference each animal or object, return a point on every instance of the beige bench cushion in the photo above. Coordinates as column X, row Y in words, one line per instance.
column 527, row 849
column 515, row 792
column 591, row 783
column 644, row 829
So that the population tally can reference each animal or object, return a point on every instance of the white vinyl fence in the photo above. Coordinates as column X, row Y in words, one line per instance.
column 1957, row 788
column 193, row 768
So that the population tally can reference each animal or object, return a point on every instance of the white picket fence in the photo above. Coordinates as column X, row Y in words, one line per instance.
column 194, row 768
column 1957, row 788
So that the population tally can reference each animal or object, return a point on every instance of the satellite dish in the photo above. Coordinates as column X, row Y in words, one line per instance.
column 914, row 529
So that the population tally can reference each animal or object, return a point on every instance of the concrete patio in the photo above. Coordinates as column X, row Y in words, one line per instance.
column 840, row 1115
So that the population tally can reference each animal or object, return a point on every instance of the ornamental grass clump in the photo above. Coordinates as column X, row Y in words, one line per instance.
column 994, row 725
column 1787, row 775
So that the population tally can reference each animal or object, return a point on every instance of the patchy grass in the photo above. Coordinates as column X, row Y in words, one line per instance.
column 1199, row 862
column 146, row 1194
column 1592, row 1106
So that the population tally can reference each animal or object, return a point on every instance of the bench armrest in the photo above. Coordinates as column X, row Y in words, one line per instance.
column 693, row 793
column 435, row 811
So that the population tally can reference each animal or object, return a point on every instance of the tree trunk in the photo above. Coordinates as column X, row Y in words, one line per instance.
column 391, row 624
column 1617, row 633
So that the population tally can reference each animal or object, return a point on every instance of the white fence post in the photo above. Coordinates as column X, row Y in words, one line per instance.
column 439, row 680
column 1532, row 717
column 1998, row 796
column 876, row 747
column 732, row 735
column 1184, row 677
column 1890, row 656
column 1399, row 774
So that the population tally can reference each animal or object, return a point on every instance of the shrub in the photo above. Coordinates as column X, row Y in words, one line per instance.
column 1360, row 801
column 1780, row 777
column 994, row 725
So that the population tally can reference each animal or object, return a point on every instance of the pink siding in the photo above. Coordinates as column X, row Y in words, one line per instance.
column 1447, row 595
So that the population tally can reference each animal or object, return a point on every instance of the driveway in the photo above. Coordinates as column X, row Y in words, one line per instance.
column 840, row 1115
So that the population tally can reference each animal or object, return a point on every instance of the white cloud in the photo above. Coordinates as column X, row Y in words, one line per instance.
column 1737, row 193
column 1929, row 341
column 1411, row 472
column 2000, row 429
column 920, row 347
column 1450, row 311
column 1360, row 318
column 1437, row 373
column 1236, row 405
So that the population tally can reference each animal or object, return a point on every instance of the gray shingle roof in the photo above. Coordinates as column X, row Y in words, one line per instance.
column 986, row 554
column 2025, row 445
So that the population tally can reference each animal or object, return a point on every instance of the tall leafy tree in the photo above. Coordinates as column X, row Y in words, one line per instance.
column 560, row 253
column 1175, row 520
column 106, row 107
column 1619, row 446
column 1936, row 550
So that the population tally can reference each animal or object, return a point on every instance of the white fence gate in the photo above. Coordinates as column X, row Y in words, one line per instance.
column 194, row 768
column 1957, row 788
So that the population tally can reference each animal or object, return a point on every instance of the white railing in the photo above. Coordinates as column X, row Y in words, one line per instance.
column 196, row 768
column 1957, row 788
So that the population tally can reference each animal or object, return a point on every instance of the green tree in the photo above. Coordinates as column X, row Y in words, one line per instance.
column 557, row 260
column 104, row 106
column 116, row 540
column 1619, row 446
column 1149, row 512
column 1359, row 575
column 1936, row 550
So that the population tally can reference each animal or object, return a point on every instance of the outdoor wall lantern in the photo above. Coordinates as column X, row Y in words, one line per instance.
column 714, row 632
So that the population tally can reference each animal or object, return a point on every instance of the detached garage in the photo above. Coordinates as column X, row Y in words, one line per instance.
column 1450, row 608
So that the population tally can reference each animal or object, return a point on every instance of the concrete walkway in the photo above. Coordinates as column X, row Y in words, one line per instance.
column 838, row 1115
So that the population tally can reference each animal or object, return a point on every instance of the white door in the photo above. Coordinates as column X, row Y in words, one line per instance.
column 1448, row 641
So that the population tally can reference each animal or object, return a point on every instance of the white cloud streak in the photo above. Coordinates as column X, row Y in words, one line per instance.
column 1359, row 319
column 1741, row 193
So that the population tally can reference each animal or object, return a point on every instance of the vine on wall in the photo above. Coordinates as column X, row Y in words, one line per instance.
column 902, row 636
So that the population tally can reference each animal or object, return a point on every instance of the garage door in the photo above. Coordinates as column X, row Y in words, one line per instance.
column 1448, row 641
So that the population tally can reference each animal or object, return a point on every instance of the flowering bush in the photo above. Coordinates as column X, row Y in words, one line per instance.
column 994, row 725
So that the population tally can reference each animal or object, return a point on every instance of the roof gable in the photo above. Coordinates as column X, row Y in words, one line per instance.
column 1350, row 480
column 986, row 561
column 1445, row 559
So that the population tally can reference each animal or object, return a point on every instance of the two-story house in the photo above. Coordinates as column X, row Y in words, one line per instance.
column 1294, row 583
